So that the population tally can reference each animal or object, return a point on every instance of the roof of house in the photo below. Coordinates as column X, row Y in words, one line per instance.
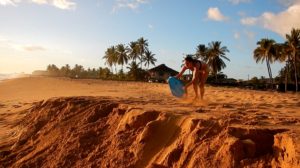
column 162, row 68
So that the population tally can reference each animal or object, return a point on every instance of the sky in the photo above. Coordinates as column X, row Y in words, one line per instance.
column 36, row 33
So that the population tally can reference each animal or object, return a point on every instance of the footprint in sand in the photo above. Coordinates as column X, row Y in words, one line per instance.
column 16, row 106
column 261, row 117
column 289, row 121
column 218, row 100
column 200, row 110
column 229, row 106
column 278, row 106
column 251, row 111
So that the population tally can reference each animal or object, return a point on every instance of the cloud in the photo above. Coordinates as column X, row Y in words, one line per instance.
column 33, row 48
column 249, row 21
column 236, row 35
column 29, row 48
column 150, row 26
column 61, row 4
column 215, row 14
column 130, row 4
column 4, row 42
column 235, row 2
column 64, row 4
column 9, row 2
column 2, row 39
column 281, row 22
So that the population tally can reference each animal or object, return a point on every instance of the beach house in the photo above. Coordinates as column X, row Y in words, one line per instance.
column 161, row 73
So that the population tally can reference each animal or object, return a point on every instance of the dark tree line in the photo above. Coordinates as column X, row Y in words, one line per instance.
column 78, row 71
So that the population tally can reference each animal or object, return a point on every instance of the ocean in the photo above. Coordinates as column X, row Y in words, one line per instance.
column 10, row 76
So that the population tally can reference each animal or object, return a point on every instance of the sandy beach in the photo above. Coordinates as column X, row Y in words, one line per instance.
column 61, row 122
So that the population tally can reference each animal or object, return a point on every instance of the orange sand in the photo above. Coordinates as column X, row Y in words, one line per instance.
column 58, row 122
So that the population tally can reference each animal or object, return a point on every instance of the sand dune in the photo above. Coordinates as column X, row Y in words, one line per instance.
column 49, row 122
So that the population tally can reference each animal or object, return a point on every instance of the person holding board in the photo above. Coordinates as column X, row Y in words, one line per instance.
column 200, row 74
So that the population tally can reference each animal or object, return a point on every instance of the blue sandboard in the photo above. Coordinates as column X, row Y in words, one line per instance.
column 176, row 86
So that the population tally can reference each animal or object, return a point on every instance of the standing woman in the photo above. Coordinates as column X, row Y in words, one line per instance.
column 200, row 73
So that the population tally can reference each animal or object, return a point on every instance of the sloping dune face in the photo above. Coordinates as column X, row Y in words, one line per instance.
column 101, row 132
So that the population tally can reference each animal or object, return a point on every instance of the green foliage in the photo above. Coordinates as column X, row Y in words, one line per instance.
column 121, row 54
column 214, row 78
column 78, row 72
column 266, row 52
column 104, row 73
column 289, row 53
column 135, row 73
column 53, row 70
column 213, row 55
column 128, row 55
column 254, row 80
column 149, row 58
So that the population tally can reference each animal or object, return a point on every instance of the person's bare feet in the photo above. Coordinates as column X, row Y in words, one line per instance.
column 196, row 98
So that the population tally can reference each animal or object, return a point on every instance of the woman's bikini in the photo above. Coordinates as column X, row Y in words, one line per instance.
column 200, row 68
column 197, row 61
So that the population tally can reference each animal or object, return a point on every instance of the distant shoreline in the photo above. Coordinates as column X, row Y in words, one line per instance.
column 11, row 76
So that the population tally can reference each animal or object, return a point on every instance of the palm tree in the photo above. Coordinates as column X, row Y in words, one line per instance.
column 122, row 57
column 133, row 51
column 53, row 70
column 265, row 51
column 65, row 70
column 142, row 47
column 133, row 70
column 104, row 73
column 78, row 71
column 201, row 52
column 111, row 56
column 283, row 54
column 215, row 55
column 149, row 58
column 68, row 70
column 293, row 41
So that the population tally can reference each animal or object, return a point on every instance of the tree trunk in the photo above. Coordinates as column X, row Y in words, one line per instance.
column 271, row 76
column 286, row 76
column 295, row 67
column 270, row 73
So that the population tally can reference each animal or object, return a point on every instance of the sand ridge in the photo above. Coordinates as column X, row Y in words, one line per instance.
column 113, row 124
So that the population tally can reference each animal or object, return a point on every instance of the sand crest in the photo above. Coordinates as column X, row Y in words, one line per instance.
column 152, row 129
